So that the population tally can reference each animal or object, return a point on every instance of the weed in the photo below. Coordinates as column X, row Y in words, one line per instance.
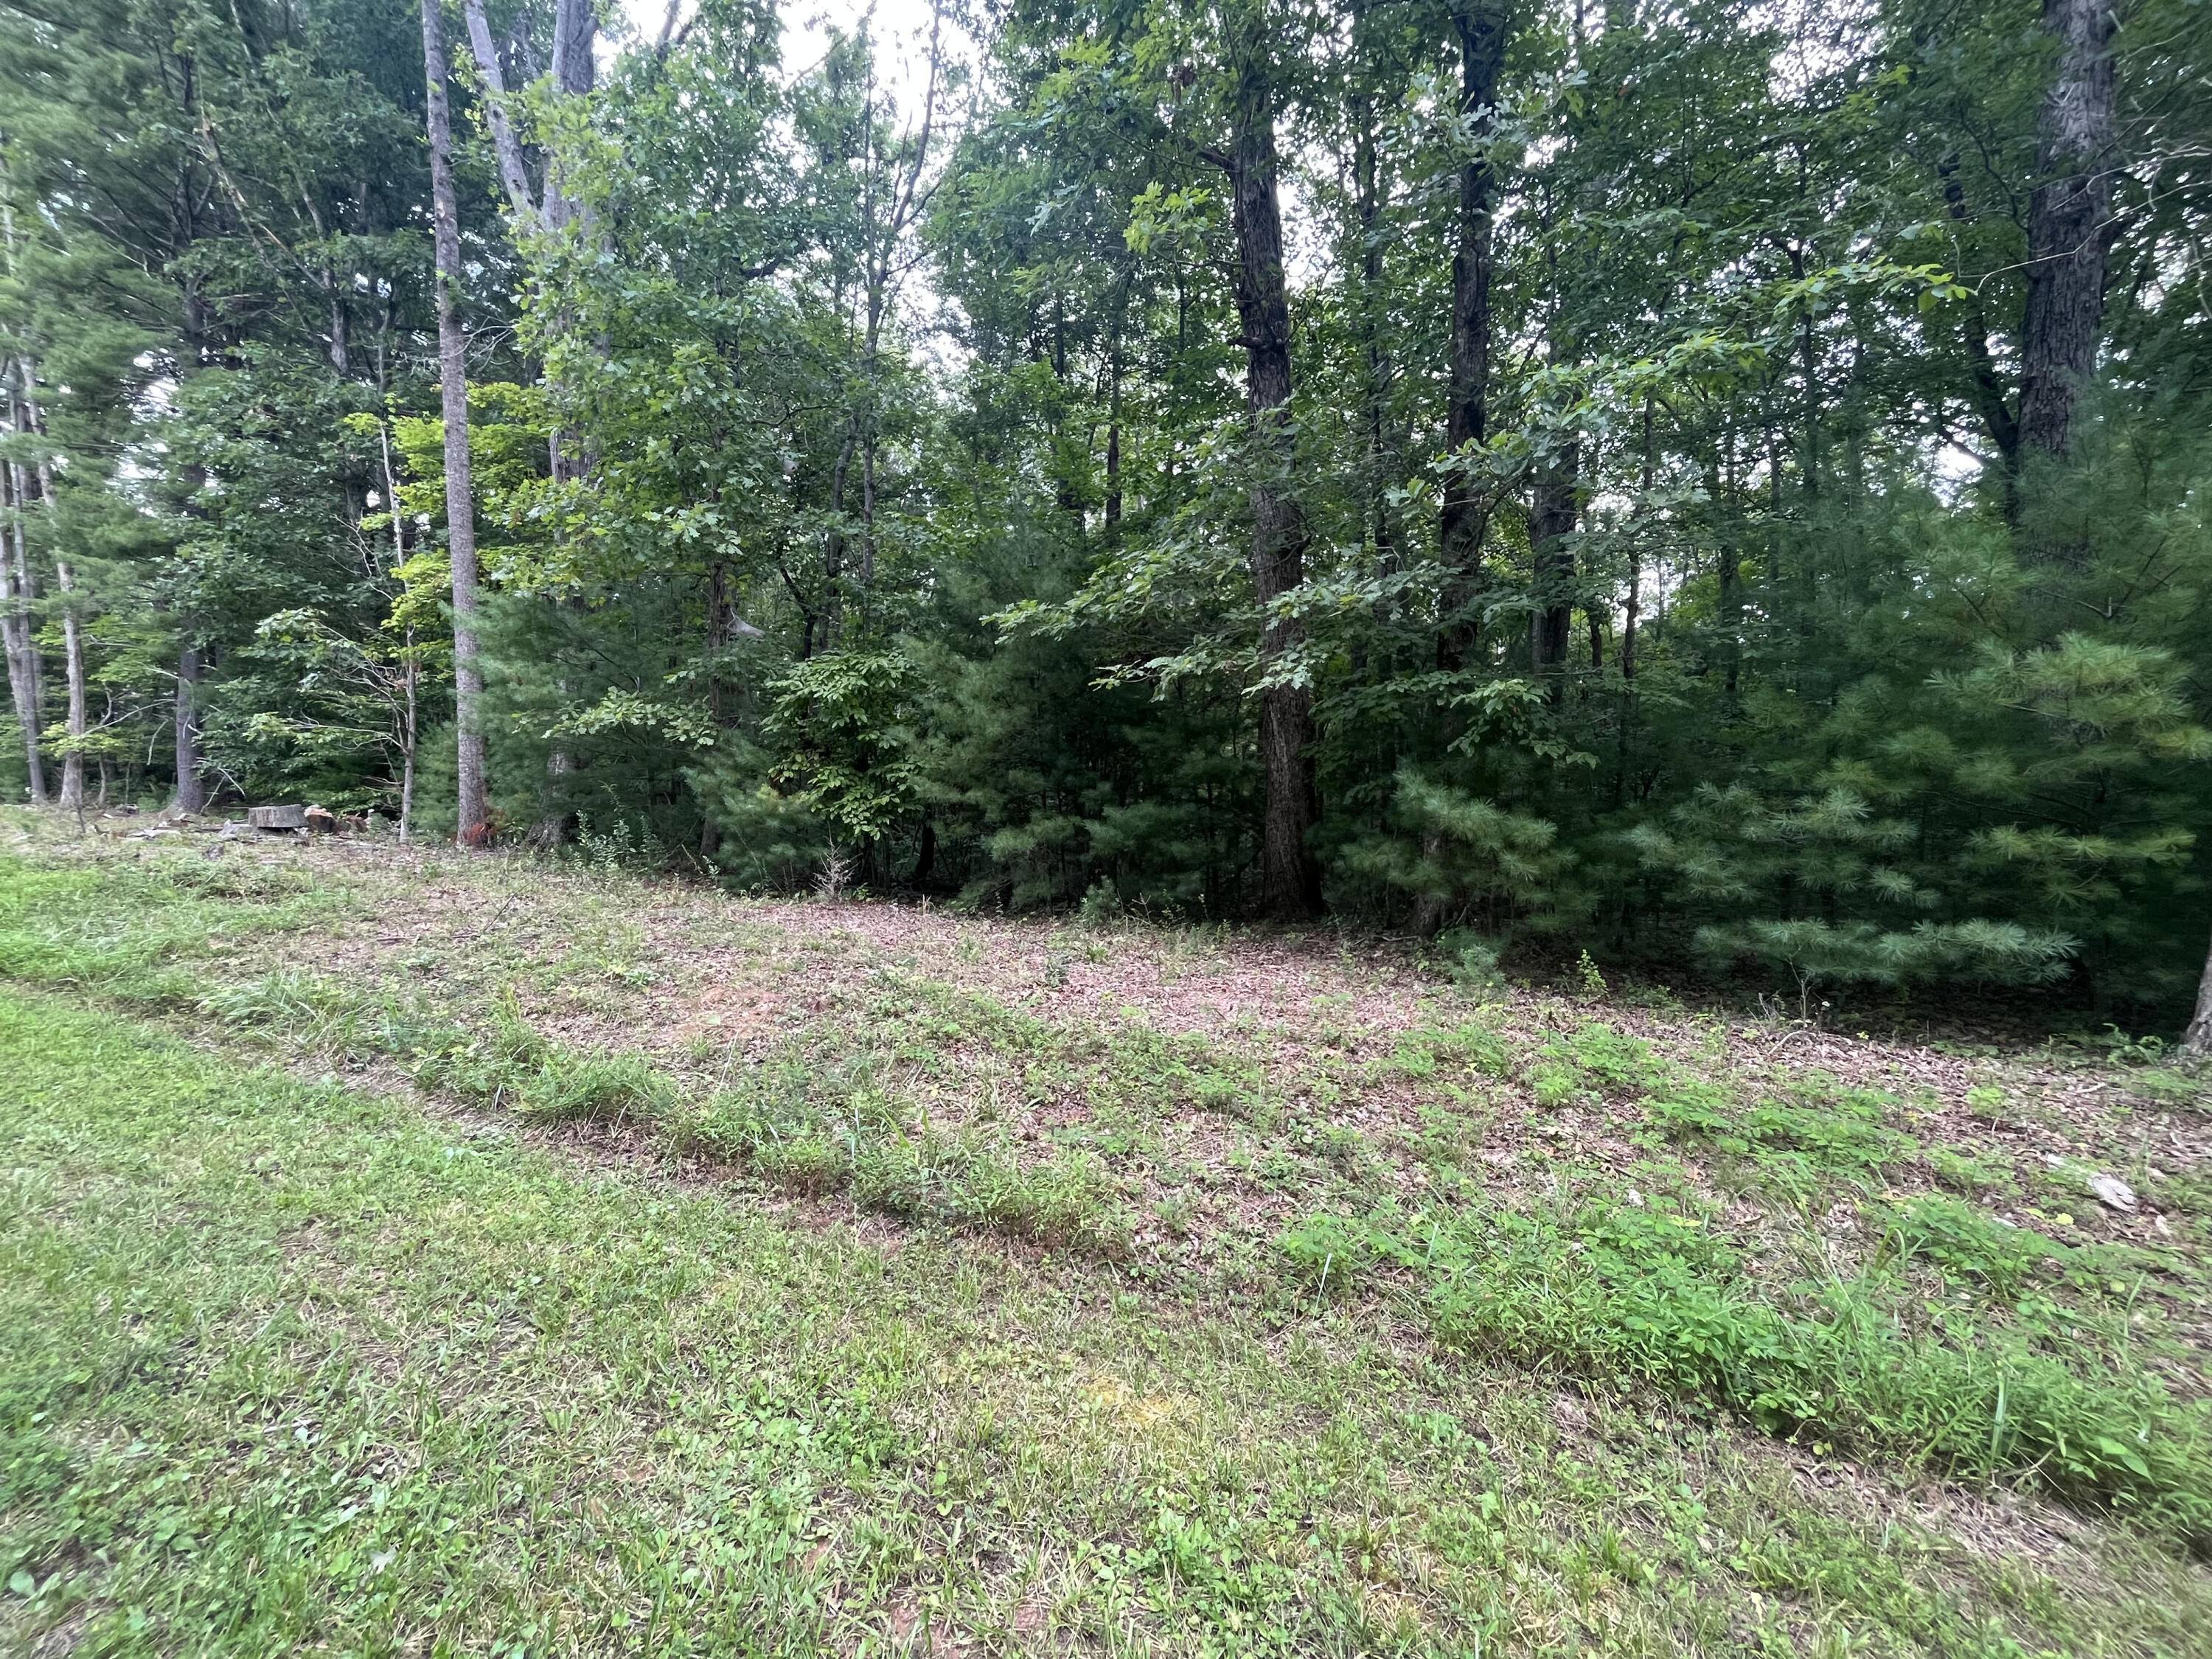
column 1964, row 1243
column 598, row 1088
column 1101, row 906
column 1654, row 1295
column 1468, row 1050
column 1793, row 1147
column 1986, row 1101
column 1970, row 1172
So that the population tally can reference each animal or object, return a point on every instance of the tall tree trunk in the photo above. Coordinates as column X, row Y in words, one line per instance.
column 2070, row 225
column 453, row 387
column 192, row 791
column 1290, row 878
column 73, row 652
column 24, row 675
column 408, row 733
column 1481, row 26
column 1551, row 520
column 2197, row 1041
column 1366, row 174
column 72, row 795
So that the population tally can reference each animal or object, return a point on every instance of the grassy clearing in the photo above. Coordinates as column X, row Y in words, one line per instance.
column 287, row 1364
column 904, row 1307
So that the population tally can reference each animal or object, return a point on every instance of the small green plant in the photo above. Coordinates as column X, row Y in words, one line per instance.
column 1597, row 1057
column 1793, row 1143
column 1101, row 906
column 1471, row 959
column 1964, row 1244
column 1592, row 982
column 600, row 1088
column 1970, row 1172
column 1459, row 1053
column 810, row 1162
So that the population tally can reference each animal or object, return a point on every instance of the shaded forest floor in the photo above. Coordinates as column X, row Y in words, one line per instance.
column 410, row 1251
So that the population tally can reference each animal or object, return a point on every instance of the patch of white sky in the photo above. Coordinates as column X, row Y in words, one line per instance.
column 902, row 31
column 1816, row 39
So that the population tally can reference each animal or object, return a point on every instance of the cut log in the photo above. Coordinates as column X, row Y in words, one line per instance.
column 276, row 817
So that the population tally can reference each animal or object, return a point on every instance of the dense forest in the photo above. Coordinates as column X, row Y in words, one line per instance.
column 1717, row 486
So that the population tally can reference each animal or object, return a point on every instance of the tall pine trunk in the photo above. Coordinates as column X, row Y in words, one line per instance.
column 453, row 389
column 23, row 668
column 192, row 791
column 2070, row 225
column 72, row 794
column 1481, row 28
column 73, row 654
column 1290, row 878
column 1551, row 520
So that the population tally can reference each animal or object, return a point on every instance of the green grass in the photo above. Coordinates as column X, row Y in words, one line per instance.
column 1655, row 1294
column 283, row 1364
column 864, row 1333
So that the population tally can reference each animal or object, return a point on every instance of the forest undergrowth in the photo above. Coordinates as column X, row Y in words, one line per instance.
column 1032, row 1286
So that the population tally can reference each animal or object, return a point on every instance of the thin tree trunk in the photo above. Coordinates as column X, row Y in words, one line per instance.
column 1989, row 391
column 16, row 593
column 1481, row 28
column 2070, row 225
column 1367, row 170
column 191, row 793
column 833, row 550
column 1551, row 520
column 1290, row 878
column 72, row 797
column 453, row 386
column 407, row 763
column 16, row 619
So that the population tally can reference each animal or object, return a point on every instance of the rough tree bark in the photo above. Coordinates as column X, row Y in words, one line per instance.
column 574, row 73
column 2197, row 1041
column 1551, row 519
column 2071, row 226
column 1290, row 878
column 23, row 676
column 1481, row 26
column 192, row 791
column 72, row 797
column 453, row 386
column 31, row 418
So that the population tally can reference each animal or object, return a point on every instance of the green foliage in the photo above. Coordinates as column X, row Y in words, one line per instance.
column 844, row 749
column 1657, row 1296
column 1467, row 857
column 1962, row 1242
column 1763, row 646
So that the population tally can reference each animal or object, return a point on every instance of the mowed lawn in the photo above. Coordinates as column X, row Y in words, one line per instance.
column 295, row 1357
